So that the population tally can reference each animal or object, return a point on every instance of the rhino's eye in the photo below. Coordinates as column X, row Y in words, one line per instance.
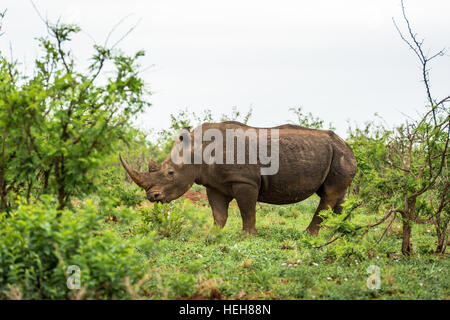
column 171, row 173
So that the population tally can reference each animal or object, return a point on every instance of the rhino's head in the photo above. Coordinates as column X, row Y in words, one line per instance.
column 163, row 182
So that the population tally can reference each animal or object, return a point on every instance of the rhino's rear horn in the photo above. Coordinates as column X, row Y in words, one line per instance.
column 138, row 177
column 152, row 165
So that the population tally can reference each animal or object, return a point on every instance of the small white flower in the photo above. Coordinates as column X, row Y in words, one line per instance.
column 421, row 284
column 329, row 278
column 284, row 263
column 199, row 256
column 345, row 279
column 235, row 246
column 298, row 261
column 315, row 264
column 428, row 230
column 290, row 265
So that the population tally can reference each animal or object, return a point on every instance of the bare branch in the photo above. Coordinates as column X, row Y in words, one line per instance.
column 2, row 15
column 387, row 228
column 126, row 34
column 417, row 47
column 114, row 29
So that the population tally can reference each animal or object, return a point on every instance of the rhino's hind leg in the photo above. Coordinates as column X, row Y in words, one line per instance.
column 246, row 196
column 219, row 205
column 328, row 200
column 338, row 207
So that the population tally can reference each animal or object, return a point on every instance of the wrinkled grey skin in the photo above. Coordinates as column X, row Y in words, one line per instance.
column 311, row 161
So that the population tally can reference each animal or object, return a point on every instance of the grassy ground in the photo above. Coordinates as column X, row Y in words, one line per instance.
column 194, row 260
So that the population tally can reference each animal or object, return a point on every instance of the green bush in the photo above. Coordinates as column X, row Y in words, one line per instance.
column 182, row 284
column 165, row 219
column 39, row 242
column 114, row 187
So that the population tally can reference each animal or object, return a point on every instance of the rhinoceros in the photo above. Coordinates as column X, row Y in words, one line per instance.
column 309, row 161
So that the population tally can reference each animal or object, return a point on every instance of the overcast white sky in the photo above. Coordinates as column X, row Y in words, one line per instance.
column 341, row 60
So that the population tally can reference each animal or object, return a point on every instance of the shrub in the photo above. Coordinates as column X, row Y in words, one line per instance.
column 39, row 242
column 165, row 219
column 183, row 284
column 116, row 188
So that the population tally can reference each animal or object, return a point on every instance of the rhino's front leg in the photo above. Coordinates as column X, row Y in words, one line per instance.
column 246, row 196
column 219, row 205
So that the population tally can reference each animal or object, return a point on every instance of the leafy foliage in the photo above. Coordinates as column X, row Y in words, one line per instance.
column 405, row 170
column 58, row 125
column 308, row 120
column 39, row 242
column 166, row 219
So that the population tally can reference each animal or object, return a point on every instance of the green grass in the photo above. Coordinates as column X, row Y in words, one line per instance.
column 197, row 260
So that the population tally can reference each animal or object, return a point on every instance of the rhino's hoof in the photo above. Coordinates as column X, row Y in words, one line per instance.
column 313, row 231
column 251, row 231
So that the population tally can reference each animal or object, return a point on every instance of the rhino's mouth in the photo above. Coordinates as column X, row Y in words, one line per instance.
column 159, row 199
column 156, row 196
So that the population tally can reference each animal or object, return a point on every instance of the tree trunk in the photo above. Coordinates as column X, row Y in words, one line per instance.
column 406, row 243
column 408, row 217
column 46, row 178
column 60, row 173
column 3, row 187
column 61, row 197
column 29, row 189
column 441, row 227
column 3, row 202
column 441, row 239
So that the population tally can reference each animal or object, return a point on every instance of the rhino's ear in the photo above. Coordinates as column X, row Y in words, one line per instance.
column 184, row 133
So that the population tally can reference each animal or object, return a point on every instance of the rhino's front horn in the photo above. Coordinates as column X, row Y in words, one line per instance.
column 138, row 177
column 152, row 165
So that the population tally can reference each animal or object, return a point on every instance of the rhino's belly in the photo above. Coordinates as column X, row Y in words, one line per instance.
column 283, row 199
column 288, row 192
column 294, row 185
